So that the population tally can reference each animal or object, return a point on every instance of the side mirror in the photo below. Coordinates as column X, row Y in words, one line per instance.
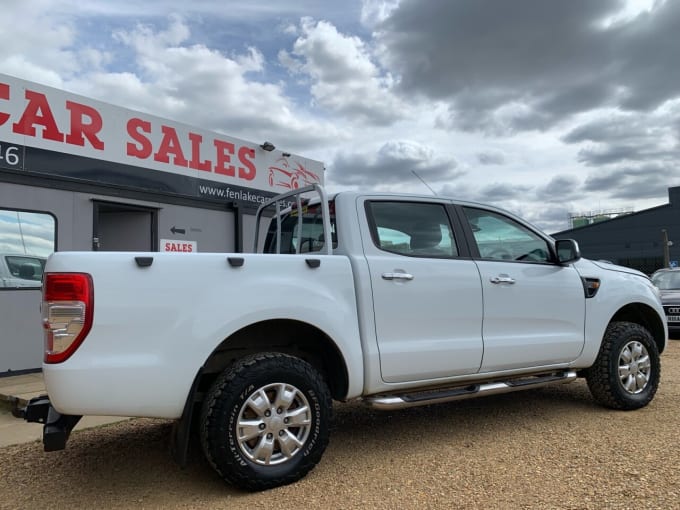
column 567, row 251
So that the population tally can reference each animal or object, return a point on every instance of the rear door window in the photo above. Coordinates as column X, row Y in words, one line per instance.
column 414, row 229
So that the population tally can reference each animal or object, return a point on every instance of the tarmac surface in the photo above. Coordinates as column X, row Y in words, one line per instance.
column 23, row 388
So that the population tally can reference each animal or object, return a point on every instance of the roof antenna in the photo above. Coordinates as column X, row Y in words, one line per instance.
column 426, row 184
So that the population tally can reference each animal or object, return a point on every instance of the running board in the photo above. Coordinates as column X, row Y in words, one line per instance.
column 438, row 396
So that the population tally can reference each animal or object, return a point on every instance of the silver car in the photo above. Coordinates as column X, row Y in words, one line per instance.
column 668, row 282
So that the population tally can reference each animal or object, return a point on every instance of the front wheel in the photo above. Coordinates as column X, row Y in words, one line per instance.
column 265, row 421
column 626, row 373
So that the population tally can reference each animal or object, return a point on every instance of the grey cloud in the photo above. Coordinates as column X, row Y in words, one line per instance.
column 553, row 107
column 614, row 153
column 486, row 43
column 491, row 158
column 559, row 188
column 471, row 111
column 554, row 58
column 520, row 200
column 393, row 163
column 552, row 218
column 593, row 156
column 649, row 54
column 647, row 181
column 627, row 138
column 549, row 217
column 499, row 193
column 613, row 128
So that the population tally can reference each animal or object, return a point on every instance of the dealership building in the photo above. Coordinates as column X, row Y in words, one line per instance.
column 646, row 240
column 79, row 174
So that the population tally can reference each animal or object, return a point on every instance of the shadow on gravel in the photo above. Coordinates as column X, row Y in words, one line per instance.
column 120, row 465
column 468, row 421
column 128, row 464
column 133, row 457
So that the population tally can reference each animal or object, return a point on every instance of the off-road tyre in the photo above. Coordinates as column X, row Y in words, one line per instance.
column 627, row 350
column 230, row 405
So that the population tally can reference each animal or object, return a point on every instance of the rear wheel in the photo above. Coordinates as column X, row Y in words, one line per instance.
column 265, row 421
column 626, row 373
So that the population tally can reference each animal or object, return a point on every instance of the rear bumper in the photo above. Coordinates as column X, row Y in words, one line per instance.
column 57, row 427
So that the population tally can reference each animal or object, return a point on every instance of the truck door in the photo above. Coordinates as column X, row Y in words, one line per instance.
column 534, row 309
column 427, row 300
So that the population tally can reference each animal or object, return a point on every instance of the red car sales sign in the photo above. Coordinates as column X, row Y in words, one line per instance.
column 33, row 115
column 173, row 245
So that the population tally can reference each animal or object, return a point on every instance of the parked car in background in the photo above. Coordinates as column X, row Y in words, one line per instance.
column 668, row 282
column 19, row 270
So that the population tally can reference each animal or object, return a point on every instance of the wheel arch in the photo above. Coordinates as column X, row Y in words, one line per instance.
column 647, row 317
column 288, row 336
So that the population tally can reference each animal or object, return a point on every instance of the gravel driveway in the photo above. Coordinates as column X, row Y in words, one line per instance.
column 546, row 448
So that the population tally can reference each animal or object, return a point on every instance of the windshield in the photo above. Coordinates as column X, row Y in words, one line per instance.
column 667, row 280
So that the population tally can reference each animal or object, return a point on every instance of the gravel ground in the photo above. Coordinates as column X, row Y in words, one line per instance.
column 546, row 448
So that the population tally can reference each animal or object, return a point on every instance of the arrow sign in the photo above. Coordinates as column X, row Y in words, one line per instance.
column 178, row 230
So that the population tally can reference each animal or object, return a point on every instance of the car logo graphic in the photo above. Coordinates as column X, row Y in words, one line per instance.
column 282, row 175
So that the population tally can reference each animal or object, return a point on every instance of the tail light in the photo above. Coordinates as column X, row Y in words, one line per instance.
column 67, row 309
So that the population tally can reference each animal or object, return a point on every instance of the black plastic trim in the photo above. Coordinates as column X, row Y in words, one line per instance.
column 590, row 286
column 144, row 261
column 181, row 430
column 236, row 261
column 313, row 263
column 57, row 427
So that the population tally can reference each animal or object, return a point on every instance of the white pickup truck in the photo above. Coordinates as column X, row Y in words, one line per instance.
column 415, row 300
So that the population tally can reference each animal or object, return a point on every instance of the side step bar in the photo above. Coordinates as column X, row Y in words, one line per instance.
column 438, row 396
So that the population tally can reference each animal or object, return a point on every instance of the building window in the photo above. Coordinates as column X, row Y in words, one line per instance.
column 26, row 240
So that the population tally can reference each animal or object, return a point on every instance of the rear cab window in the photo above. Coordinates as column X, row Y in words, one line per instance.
column 301, row 237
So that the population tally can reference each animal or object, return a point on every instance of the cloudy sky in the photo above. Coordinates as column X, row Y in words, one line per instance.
column 544, row 107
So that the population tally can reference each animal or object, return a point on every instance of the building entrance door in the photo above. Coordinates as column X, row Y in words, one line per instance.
column 124, row 227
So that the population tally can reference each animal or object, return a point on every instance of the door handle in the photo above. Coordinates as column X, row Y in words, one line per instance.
column 502, row 279
column 397, row 276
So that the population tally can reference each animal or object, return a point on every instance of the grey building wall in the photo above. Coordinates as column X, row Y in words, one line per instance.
column 21, row 333
column 634, row 240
